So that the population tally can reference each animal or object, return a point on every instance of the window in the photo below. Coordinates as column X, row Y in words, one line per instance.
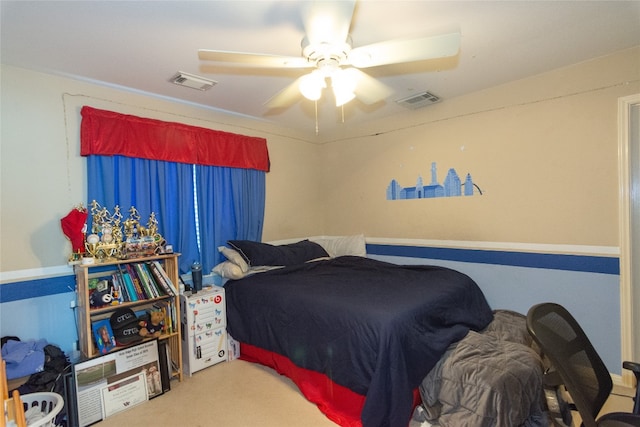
column 205, row 186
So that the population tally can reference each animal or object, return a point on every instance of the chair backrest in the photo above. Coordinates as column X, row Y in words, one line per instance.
column 582, row 371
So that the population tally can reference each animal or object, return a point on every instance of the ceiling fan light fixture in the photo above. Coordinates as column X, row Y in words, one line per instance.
column 342, row 97
column 328, row 47
column 343, row 82
column 311, row 85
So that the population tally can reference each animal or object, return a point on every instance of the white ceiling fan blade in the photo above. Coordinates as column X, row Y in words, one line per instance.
column 254, row 59
column 328, row 21
column 286, row 97
column 368, row 89
column 405, row 50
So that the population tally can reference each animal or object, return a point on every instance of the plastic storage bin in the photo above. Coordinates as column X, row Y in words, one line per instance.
column 50, row 405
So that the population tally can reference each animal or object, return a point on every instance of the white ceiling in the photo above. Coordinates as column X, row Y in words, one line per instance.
column 140, row 45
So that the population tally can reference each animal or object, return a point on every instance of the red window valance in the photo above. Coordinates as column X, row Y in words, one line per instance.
column 107, row 133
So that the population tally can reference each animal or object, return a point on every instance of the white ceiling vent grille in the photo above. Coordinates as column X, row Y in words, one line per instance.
column 418, row 100
column 194, row 82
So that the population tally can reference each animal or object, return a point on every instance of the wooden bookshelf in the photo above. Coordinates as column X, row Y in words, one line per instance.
column 87, row 314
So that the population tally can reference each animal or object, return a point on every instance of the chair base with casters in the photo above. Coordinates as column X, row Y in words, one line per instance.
column 576, row 365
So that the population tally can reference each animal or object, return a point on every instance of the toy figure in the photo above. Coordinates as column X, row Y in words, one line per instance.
column 152, row 324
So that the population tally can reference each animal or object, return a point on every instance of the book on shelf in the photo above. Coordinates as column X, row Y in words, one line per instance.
column 166, row 277
column 159, row 288
column 120, row 288
column 147, row 285
column 153, row 275
column 171, row 315
column 128, row 283
column 136, row 282
column 159, row 278
column 117, row 290
column 103, row 335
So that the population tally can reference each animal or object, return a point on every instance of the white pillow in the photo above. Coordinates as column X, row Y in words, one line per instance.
column 228, row 270
column 235, row 257
column 340, row 246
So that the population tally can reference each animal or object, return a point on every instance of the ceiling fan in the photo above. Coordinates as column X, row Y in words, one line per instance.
column 328, row 51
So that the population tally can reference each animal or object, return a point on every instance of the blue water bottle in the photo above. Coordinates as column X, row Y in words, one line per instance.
column 196, row 276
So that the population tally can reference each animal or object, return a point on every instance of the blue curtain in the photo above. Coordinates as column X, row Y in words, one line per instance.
column 230, row 205
column 165, row 188
column 230, row 202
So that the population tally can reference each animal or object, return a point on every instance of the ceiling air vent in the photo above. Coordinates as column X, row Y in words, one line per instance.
column 194, row 82
column 419, row 100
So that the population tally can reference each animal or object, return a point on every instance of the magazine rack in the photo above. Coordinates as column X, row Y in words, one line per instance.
column 88, row 315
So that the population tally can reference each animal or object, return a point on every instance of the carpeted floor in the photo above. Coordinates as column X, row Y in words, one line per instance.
column 228, row 394
column 241, row 394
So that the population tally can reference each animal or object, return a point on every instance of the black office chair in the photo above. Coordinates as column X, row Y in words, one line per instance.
column 577, row 366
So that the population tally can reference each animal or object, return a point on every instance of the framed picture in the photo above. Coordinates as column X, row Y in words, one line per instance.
column 141, row 247
column 124, row 394
column 103, row 334
column 117, row 381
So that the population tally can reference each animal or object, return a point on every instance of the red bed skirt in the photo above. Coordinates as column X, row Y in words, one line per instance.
column 337, row 402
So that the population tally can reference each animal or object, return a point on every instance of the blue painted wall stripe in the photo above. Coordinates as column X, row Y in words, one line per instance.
column 42, row 287
column 586, row 263
column 37, row 288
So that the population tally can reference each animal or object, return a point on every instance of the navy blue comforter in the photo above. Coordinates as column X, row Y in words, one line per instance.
column 374, row 327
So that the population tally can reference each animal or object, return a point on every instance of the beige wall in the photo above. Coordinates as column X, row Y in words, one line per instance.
column 293, row 205
column 543, row 150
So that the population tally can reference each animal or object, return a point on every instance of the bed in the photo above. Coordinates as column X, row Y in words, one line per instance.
column 357, row 335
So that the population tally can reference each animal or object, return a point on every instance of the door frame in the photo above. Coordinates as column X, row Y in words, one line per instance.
column 628, row 275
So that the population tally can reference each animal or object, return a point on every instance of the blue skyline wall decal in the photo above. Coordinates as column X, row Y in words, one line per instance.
column 452, row 186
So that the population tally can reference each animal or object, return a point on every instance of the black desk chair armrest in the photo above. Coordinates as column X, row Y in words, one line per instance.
column 635, row 368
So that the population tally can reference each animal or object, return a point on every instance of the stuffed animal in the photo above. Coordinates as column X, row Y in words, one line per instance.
column 152, row 324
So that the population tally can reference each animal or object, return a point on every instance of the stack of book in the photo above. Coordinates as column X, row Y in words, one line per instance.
column 142, row 281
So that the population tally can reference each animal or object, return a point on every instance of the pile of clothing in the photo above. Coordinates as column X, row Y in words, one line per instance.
column 35, row 366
